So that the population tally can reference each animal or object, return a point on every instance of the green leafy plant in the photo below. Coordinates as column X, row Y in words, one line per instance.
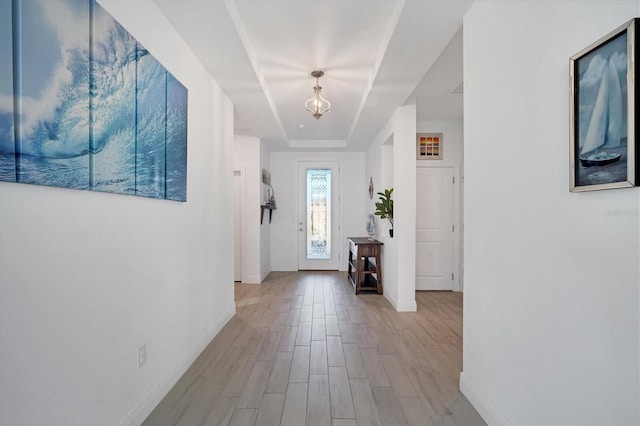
column 384, row 205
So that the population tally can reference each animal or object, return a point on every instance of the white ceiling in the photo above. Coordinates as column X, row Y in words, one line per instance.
column 374, row 54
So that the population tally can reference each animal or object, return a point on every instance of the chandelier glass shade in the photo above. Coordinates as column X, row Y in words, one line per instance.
column 317, row 105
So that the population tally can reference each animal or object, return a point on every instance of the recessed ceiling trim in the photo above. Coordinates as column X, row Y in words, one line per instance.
column 393, row 22
column 253, row 59
column 317, row 143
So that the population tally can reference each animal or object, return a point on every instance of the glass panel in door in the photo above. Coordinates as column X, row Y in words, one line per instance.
column 318, row 214
column 318, row 218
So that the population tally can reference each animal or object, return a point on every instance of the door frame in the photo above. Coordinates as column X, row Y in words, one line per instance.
column 446, row 281
column 458, row 220
column 242, row 216
column 336, row 213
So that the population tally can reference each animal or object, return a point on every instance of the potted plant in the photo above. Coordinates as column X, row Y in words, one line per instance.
column 384, row 207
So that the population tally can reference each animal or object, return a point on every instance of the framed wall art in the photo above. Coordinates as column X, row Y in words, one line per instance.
column 603, row 112
column 83, row 105
column 429, row 146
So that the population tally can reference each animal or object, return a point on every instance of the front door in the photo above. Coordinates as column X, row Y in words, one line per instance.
column 434, row 229
column 318, row 215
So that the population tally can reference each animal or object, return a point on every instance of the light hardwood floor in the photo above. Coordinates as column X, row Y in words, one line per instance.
column 304, row 350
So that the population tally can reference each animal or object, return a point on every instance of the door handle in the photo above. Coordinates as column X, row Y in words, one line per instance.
column 301, row 229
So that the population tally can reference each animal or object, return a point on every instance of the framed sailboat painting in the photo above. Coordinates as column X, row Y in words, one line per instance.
column 603, row 96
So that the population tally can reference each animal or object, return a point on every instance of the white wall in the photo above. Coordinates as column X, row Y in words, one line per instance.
column 453, row 142
column 396, row 140
column 265, row 229
column 246, row 157
column 551, row 325
column 251, row 156
column 284, row 179
column 87, row 277
column 379, row 167
column 452, row 157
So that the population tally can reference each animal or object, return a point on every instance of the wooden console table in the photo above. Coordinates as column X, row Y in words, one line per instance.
column 365, row 265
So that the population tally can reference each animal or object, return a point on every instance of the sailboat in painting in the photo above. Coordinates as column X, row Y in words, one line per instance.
column 605, row 125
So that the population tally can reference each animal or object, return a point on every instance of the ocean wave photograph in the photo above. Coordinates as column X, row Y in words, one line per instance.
column 93, row 108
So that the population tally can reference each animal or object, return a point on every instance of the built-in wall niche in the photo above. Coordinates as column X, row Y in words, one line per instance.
column 386, row 178
column 387, row 164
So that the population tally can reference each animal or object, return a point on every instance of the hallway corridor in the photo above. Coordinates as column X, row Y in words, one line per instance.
column 303, row 349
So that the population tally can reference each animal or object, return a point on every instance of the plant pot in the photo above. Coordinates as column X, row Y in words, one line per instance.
column 391, row 233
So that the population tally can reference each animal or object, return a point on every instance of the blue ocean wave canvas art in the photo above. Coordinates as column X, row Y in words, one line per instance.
column 113, row 105
column 176, row 150
column 84, row 105
column 7, row 142
column 52, row 92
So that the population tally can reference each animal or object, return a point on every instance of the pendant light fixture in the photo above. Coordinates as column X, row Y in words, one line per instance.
column 317, row 105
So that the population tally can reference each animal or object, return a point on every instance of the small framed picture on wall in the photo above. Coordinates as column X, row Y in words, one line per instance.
column 604, row 142
column 429, row 146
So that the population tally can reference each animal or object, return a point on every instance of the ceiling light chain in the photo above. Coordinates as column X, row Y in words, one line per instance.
column 317, row 105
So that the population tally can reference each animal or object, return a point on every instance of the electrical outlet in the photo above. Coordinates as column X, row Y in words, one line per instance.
column 142, row 355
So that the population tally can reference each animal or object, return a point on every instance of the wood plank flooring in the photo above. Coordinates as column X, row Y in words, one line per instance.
column 304, row 350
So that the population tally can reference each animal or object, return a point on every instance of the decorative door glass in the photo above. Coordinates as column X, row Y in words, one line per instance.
column 318, row 213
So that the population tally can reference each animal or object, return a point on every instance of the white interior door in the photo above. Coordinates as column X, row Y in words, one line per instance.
column 434, row 229
column 318, row 215
column 238, row 214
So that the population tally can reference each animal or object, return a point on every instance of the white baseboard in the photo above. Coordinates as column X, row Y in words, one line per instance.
column 404, row 306
column 481, row 403
column 407, row 306
column 391, row 300
column 284, row 268
column 251, row 279
column 146, row 405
